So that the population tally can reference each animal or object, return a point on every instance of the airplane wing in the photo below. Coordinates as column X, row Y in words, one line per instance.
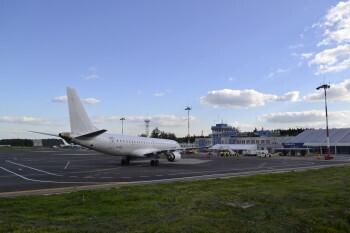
column 145, row 152
column 153, row 151
column 50, row 134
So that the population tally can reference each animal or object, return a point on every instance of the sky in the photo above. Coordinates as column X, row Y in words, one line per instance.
column 247, row 63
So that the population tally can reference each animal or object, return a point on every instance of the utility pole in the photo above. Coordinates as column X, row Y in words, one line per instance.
column 188, row 124
column 325, row 87
column 122, row 119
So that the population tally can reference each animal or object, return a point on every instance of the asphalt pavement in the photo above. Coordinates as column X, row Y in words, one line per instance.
column 28, row 172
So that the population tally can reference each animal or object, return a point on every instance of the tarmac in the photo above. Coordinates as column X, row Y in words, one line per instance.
column 44, row 172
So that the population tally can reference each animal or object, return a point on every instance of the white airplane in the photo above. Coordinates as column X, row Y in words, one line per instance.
column 84, row 133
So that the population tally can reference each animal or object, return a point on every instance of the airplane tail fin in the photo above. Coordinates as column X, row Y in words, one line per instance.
column 79, row 121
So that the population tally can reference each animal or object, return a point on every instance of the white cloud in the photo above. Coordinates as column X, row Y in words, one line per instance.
column 296, row 46
column 24, row 120
column 292, row 96
column 242, row 126
column 91, row 100
column 228, row 98
column 306, row 55
column 347, row 86
column 158, row 120
column 337, row 92
column 60, row 99
column 302, row 56
column 312, row 119
column 159, row 94
column 231, row 79
column 90, row 76
column 332, row 60
column 63, row 99
column 277, row 71
column 337, row 24
column 102, row 119
column 293, row 117
column 170, row 120
column 336, row 32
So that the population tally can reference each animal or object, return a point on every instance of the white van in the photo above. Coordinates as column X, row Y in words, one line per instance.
column 263, row 153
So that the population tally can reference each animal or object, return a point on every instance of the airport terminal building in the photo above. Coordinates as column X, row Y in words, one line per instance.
column 307, row 142
column 315, row 141
column 225, row 134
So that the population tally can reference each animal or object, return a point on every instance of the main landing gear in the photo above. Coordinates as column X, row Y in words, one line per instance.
column 125, row 161
column 154, row 162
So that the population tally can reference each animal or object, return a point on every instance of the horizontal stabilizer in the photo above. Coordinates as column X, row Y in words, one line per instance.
column 49, row 134
column 91, row 135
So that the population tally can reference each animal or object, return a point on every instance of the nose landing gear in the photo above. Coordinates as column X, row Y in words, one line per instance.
column 125, row 161
column 154, row 162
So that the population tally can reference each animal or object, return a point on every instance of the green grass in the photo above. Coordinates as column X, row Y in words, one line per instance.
column 311, row 201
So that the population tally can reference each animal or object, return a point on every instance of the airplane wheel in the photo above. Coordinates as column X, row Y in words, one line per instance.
column 123, row 162
column 156, row 162
column 152, row 163
column 127, row 161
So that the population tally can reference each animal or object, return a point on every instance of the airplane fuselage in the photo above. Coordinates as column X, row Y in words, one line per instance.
column 131, row 146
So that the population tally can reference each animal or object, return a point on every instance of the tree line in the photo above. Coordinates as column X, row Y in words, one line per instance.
column 292, row 132
column 156, row 133
column 17, row 142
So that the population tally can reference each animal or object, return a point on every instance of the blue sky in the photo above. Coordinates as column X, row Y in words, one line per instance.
column 245, row 63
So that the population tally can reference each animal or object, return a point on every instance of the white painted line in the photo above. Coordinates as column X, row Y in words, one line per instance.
column 14, row 173
column 66, row 165
column 45, row 181
column 262, row 165
column 49, row 173
column 95, row 171
column 159, row 175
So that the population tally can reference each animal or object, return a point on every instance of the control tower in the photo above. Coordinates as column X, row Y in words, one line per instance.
column 147, row 121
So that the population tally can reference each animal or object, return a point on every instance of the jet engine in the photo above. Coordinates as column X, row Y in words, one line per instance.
column 173, row 156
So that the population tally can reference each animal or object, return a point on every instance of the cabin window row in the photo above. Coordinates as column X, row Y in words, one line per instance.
column 141, row 142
